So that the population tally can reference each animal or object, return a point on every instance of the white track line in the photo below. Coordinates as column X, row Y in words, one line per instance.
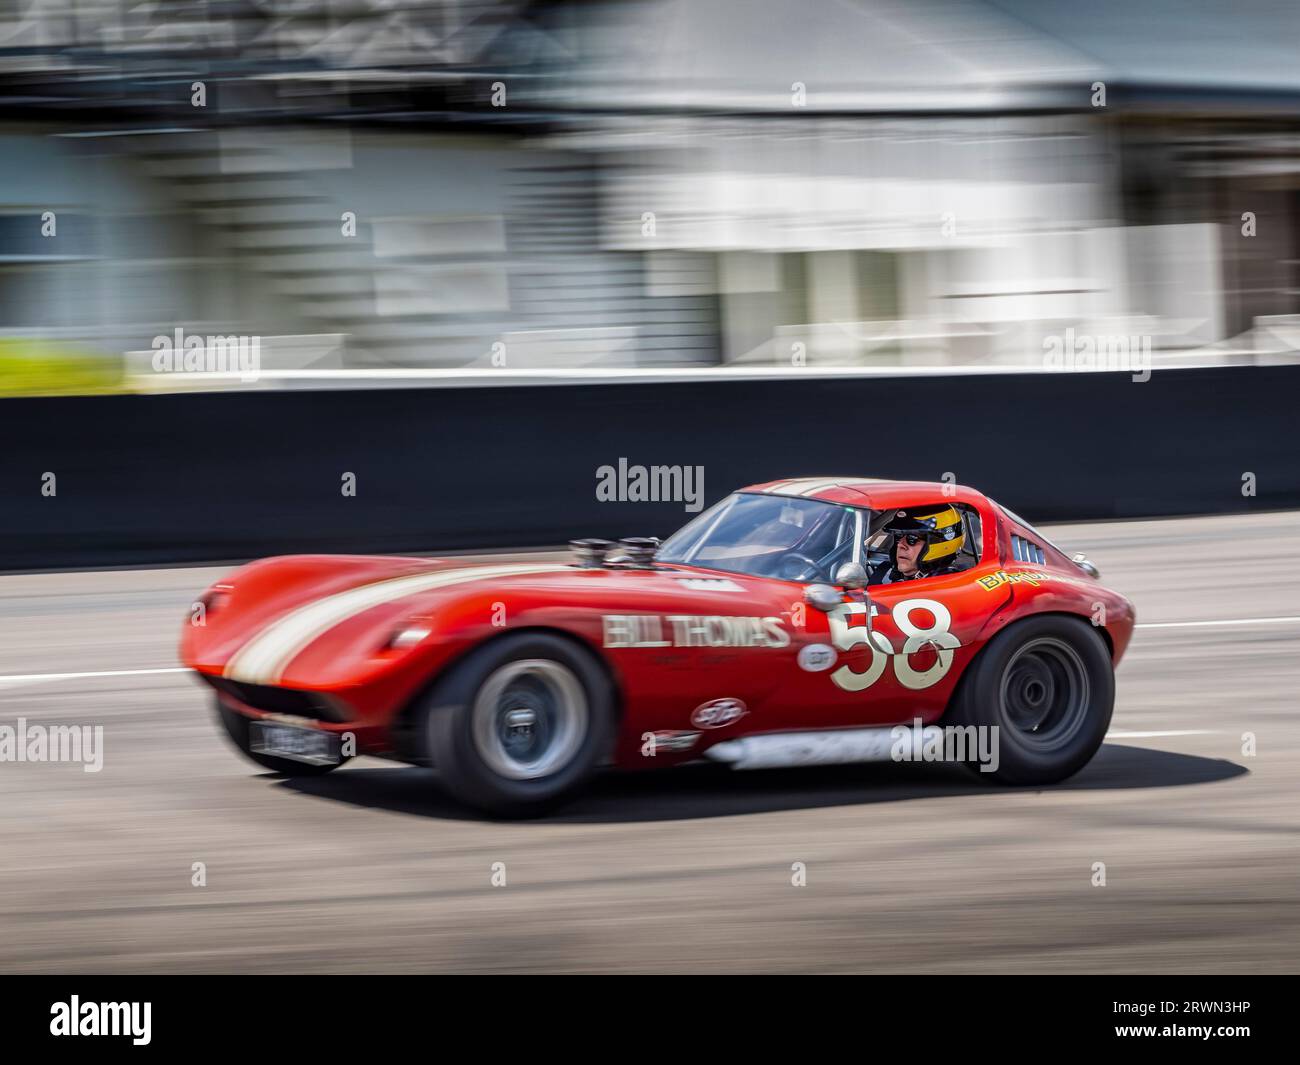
column 37, row 678
column 1120, row 734
column 1285, row 620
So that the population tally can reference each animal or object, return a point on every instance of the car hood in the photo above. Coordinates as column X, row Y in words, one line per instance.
column 320, row 620
column 269, row 608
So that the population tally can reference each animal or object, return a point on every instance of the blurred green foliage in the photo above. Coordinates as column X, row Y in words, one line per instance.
column 43, row 368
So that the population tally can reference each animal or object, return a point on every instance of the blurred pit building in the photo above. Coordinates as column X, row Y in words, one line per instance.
column 381, row 185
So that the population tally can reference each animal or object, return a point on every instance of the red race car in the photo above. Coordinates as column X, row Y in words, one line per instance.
column 797, row 622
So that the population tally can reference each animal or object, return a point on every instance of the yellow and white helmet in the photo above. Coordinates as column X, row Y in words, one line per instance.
column 940, row 526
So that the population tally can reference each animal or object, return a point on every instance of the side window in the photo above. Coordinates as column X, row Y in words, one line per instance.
column 969, row 556
column 927, row 540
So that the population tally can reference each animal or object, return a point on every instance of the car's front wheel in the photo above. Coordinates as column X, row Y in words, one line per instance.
column 520, row 724
column 1048, row 686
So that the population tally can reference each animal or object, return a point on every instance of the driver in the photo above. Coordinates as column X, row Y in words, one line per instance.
column 924, row 544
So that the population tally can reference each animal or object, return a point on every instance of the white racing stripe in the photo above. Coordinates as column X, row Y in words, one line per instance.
column 264, row 658
column 821, row 486
column 807, row 486
column 790, row 487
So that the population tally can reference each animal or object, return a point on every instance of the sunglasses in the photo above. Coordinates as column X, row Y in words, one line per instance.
column 911, row 539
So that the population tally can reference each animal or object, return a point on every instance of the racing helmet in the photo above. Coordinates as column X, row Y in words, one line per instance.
column 941, row 528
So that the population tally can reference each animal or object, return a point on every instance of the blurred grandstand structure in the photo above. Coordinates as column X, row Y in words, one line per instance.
column 398, row 185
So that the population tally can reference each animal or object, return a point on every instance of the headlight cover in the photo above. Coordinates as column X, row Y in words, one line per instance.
column 407, row 636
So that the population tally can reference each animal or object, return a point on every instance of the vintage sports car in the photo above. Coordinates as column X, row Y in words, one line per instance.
column 793, row 623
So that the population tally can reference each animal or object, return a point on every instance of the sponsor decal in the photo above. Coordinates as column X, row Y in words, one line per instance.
column 710, row 584
column 995, row 580
column 817, row 657
column 718, row 713
column 693, row 630
column 673, row 741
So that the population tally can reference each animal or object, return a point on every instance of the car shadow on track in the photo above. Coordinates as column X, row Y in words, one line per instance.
column 698, row 791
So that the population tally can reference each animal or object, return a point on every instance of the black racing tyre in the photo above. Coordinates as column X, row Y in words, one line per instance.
column 520, row 724
column 1048, row 685
column 236, row 726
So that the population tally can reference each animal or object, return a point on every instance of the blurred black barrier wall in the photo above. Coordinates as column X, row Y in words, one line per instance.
column 144, row 479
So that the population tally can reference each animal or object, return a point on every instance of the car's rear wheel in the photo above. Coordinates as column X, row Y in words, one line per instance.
column 236, row 726
column 1048, row 686
column 520, row 724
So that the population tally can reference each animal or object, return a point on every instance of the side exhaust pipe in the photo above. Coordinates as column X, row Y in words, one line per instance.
column 782, row 750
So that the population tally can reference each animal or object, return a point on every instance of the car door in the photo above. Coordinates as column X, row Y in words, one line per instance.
column 930, row 629
column 895, row 651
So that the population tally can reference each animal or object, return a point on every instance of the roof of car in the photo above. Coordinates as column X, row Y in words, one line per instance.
column 874, row 492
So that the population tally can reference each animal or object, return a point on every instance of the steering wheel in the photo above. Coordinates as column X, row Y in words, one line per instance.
column 786, row 572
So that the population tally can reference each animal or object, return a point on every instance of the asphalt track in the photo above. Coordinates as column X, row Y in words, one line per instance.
column 909, row 868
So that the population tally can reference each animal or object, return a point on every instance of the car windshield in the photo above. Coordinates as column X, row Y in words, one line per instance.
column 770, row 536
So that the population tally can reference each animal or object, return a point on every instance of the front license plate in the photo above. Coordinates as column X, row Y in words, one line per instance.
column 298, row 744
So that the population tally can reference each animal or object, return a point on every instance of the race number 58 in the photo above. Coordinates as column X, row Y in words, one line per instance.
column 848, row 630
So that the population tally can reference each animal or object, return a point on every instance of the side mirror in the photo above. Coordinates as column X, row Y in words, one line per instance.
column 851, row 576
column 1082, row 562
column 823, row 597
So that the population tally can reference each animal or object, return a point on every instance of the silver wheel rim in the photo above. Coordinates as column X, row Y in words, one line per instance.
column 529, row 718
column 1045, row 693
